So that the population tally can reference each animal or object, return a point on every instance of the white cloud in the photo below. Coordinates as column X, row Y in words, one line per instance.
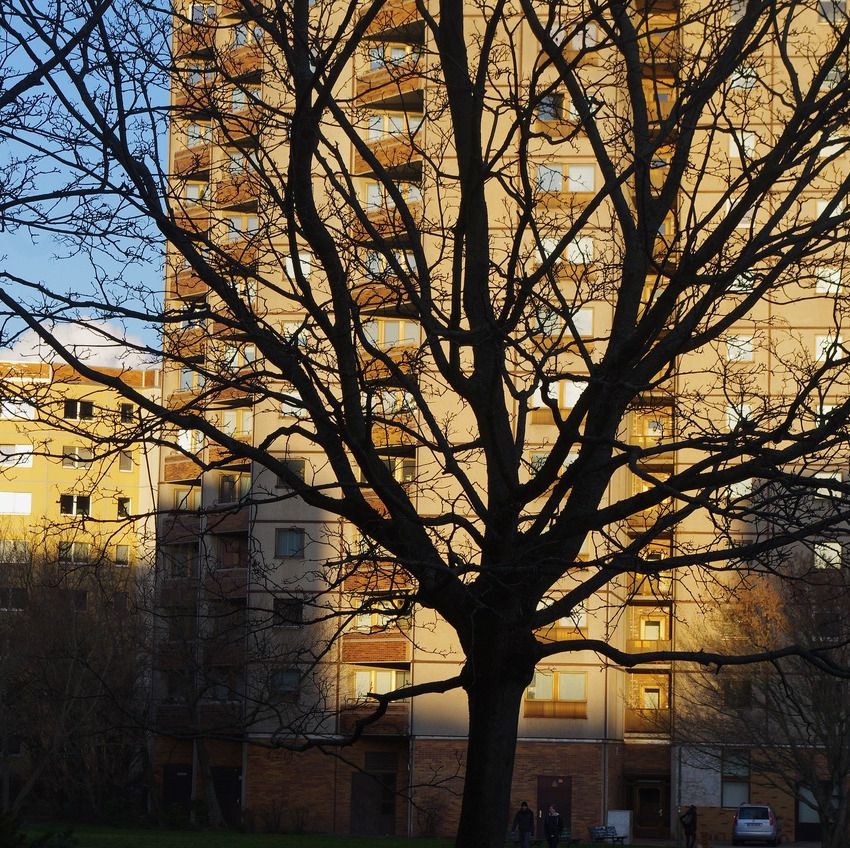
column 93, row 342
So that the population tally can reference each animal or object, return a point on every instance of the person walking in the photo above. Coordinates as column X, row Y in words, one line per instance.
column 553, row 827
column 689, row 826
column 524, row 824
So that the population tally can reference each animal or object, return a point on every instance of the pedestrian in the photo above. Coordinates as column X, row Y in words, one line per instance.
column 524, row 824
column 689, row 826
column 553, row 827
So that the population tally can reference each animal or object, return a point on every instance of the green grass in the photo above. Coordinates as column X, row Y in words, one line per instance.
column 113, row 837
column 104, row 837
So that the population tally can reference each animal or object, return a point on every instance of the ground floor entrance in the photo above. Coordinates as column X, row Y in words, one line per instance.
column 649, row 799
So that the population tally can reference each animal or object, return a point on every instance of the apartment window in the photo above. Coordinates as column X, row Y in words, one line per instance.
column 292, row 406
column 127, row 413
column 831, row 11
column 828, row 554
column 289, row 542
column 242, row 226
column 184, row 499
column 288, row 612
column 824, row 208
column 76, row 457
column 123, row 507
column 577, row 619
column 742, row 284
column 828, row 280
column 195, row 193
column 550, row 178
column 296, row 265
column 202, row 12
column 739, row 348
column 735, row 778
column 551, row 108
column 736, row 10
column 74, row 552
column 297, row 467
column 744, row 78
column 190, row 441
column 236, row 422
column 15, row 503
column 285, row 682
column 650, row 697
column 585, row 38
column 557, row 694
column 16, row 456
column 14, row 551
column 233, row 487
column 741, row 490
column 737, row 414
column 391, row 332
column 74, row 504
column 10, row 409
column 547, row 322
column 241, row 98
column 379, row 681
column 197, row 134
column 581, row 178
column 125, row 460
column 742, row 144
column 374, row 196
column 122, row 555
column 827, row 348
column 239, row 162
column 580, row 250
column 403, row 468
column 78, row 410
column 13, row 599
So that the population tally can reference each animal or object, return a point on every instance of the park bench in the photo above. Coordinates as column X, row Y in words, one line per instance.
column 606, row 833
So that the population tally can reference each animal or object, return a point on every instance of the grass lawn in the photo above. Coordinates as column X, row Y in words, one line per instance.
column 106, row 837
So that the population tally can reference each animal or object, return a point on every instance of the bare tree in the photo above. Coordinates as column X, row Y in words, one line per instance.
column 69, row 640
column 602, row 357
column 786, row 717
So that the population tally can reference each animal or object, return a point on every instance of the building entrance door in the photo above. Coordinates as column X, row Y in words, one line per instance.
column 650, row 800
column 557, row 790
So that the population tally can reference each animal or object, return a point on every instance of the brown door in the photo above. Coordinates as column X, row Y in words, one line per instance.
column 650, row 798
column 557, row 790
column 373, row 804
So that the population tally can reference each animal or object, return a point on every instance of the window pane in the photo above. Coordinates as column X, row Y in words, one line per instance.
column 572, row 686
column 541, row 687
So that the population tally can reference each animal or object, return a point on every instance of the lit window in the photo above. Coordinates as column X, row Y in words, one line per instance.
column 378, row 681
column 569, row 686
column 650, row 698
column 16, row 456
column 298, row 265
column 737, row 414
column 581, row 178
column 744, row 78
column 742, row 144
column 16, row 409
column 74, row 504
column 739, row 348
column 828, row 554
column 289, row 542
column 828, row 280
column 550, row 178
column 828, row 348
column 741, row 490
column 122, row 554
column 15, row 503
column 580, row 250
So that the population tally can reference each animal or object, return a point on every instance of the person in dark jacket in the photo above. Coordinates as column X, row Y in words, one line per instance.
column 524, row 824
column 553, row 826
column 689, row 826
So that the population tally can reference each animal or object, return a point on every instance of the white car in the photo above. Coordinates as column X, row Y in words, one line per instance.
column 755, row 823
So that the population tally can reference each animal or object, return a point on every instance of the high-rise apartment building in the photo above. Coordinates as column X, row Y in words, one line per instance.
column 246, row 562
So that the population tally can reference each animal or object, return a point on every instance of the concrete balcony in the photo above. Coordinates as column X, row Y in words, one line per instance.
column 243, row 61
column 381, row 646
column 395, row 15
column 400, row 82
column 178, row 468
column 193, row 39
column 192, row 160
column 396, row 153
column 395, row 722
column 187, row 285
column 238, row 192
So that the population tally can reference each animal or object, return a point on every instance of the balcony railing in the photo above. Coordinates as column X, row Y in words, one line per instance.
column 647, row 721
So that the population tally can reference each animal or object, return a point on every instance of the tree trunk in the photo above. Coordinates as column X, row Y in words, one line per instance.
column 502, row 671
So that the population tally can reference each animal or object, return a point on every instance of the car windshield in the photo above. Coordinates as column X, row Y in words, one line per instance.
column 753, row 813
